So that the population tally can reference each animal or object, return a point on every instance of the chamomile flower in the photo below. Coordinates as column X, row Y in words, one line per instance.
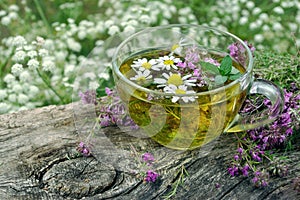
column 168, row 62
column 143, row 64
column 180, row 90
column 142, row 76
column 177, row 48
column 174, row 79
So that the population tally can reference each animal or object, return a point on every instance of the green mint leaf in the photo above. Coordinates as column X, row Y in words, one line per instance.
column 209, row 68
column 234, row 71
column 235, row 76
column 226, row 66
column 220, row 79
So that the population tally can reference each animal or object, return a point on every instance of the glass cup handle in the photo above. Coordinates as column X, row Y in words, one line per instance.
column 271, row 92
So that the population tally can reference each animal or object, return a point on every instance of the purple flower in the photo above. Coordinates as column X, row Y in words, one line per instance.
column 88, row 97
column 181, row 64
column 240, row 150
column 108, row 91
column 245, row 170
column 83, row 149
column 238, row 51
column 236, row 157
column 212, row 61
column 256, row 157
column 233, row 171
column 260, row 179
column 151, row 176
column 148, row 158
column 275, row 134
column 111, row 111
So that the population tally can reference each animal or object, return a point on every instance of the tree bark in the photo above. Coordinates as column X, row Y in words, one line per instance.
column 38, row 160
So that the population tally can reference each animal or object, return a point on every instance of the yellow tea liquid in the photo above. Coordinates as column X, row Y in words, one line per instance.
column 181, row 125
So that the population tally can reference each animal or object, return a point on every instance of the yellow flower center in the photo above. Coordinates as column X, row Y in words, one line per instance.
column 180, row 91
column 141, row 79
column 175, row 46
column 175, row 79
column 168, row 62
column 146, row 65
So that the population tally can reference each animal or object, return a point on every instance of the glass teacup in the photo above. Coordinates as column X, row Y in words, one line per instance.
column 179, row 89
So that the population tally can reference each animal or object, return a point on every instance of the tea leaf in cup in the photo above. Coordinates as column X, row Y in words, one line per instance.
column 226, row 66
column 209, row 68
column 219, row 79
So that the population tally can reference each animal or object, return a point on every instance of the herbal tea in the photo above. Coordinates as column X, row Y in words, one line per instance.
column 186, row 116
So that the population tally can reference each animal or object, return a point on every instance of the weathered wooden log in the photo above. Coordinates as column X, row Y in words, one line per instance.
column 38, row 160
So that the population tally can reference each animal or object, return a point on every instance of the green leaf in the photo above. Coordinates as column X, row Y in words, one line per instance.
column 234, row 71
column 235, row 76
column 226, row 66
column 220, row 79
column 209, row 68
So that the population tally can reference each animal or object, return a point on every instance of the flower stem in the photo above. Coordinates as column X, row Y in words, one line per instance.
column 3, row 67
column 42, row 15
column 46, row 81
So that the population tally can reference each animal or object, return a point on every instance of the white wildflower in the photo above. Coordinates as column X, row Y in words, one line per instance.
column 133, row 22
column 4, row 107
column 250, row 5
column 93, row 85
column 12, row 98
column 245, row 13
column 13, row 15
column 69, row 69
column 145, row 19
column 17, row 88
column 129, row 29
column 278, row 10
column 43, row 52
column 9, row 78
column 113, row 30
column 22, row 98
column 256, row 11
column 264, row 16
column 16, row 69
column 73, row 45
column 174, row 79
column 243, row 20
column 180, row 90
column 48, row 65
column 19, row 41
column 3, row 94
column 19, row 56
column 258, row 38
column 82, row 34
column 61, row 55
column 49, row 44
column 33, row 91
column 293, row 26
column 253, row 25
column 13, row 7
column 108, row 23
column 265, row 27
column 33, row 64
column 2, row 13
column 5, row 20
column 28, row 47
column 32, row 54
column 25, row 76
column 277, row 26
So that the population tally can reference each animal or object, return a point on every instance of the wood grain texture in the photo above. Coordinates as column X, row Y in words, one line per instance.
column 38, row 160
